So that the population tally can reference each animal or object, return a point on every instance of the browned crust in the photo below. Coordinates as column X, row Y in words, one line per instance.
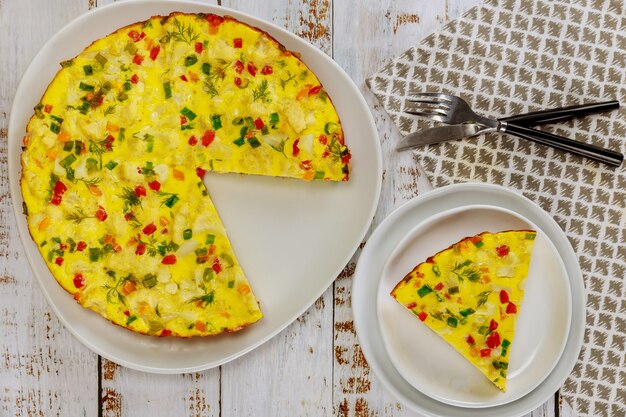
column 407, row 277
column 173, row 334
column 177, row 335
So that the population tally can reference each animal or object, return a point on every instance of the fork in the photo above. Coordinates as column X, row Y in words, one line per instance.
column 449, row 109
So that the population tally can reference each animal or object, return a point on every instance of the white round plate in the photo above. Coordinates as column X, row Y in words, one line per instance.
column 380, row 246
column 434, row 367
column 289, row 247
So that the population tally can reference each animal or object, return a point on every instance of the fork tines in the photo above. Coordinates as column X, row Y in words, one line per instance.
column 434, row 106
column 435, row 97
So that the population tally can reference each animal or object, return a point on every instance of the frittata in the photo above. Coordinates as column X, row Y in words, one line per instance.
column 115, row 154
column 471, row 293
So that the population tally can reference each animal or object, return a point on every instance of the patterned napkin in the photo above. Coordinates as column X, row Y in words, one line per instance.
column 513, row 56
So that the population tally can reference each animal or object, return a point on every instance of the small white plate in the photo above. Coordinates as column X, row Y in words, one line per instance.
column 290, row 248
column 434, row 367
column 379, row 247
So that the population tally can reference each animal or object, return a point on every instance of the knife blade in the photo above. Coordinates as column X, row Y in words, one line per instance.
column 441, row 134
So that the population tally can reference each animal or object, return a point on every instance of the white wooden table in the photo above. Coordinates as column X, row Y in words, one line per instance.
column 313, row 368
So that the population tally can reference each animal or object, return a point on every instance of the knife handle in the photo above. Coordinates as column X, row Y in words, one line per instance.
column 561, row 114
column 579, row 148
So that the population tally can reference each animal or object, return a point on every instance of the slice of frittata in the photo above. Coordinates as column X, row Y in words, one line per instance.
column 471, row 293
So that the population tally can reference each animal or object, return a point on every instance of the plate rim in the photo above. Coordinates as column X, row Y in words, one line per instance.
column 438, row 217
column 14, row 168
column 434, row 408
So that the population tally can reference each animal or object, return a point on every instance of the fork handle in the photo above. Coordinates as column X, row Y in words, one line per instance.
column 562, row 114
column 579, row 148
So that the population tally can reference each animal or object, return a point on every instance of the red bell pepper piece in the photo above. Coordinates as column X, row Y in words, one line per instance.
column 493, row 340
column 502, row 250
column 295, row 149
column 154, row 185
column 101, row 214
column 511, row 308
column 252, row 69
column 141, row 249
column 169, row 260
column 154, row 52
column 208, row 137
column 79, row 280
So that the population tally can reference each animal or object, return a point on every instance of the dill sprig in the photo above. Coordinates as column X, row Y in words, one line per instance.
column 78, row 216
column 130, row 197
column 133, row 220
column 437, row 315
column 182, row 33
column 463, row 271
column 113, row 291
column 110, row 110
column 90, row 181
column 218, row 72
column 209, row 88
column 334, row 149
column 283, row 83
column 280, row 147
column 206, row 298
column 482, row 298
column 150, row 245
column 261, row 92
column 98, row 150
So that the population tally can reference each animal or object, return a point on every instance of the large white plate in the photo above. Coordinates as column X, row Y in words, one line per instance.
column 285, row 232
column 434, row 367
column 380, row 246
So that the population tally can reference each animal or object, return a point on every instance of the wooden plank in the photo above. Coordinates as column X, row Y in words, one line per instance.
column 565, row 410
column 547, row 409
column 126, row 392
column 44, row 370
column 291, row 375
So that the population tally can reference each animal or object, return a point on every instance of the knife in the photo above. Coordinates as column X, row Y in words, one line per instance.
column 454, row 132
column 440, row 134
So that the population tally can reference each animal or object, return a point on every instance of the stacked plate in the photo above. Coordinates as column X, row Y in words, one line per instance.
column 419, row 367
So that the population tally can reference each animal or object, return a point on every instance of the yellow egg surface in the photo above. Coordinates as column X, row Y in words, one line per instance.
column 471, row 293
column 115, row 153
